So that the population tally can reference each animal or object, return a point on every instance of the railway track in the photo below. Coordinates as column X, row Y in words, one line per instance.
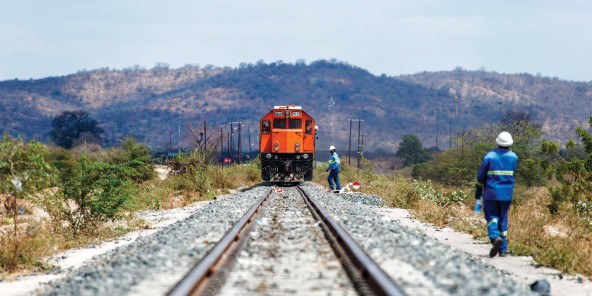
column 287, row 243
column 285, row 251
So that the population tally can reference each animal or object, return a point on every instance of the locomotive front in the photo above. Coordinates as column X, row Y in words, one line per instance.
column 287, row 145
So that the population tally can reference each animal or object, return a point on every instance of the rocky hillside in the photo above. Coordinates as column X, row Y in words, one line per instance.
column 152, row 104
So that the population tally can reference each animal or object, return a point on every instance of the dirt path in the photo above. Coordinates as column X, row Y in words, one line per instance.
column 523, row 269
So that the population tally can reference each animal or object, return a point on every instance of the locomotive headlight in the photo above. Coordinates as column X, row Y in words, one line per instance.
column 297, row 146
column 305, row 156
column 268, row 156
column 277, row 146
column 297, row 156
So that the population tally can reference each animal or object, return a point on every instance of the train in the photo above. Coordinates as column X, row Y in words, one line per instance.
column 287, row 145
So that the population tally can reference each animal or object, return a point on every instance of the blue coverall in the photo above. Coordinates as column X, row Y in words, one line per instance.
column 334, row 171
column 495, row 180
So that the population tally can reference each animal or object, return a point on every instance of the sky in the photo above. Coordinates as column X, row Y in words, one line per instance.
column 60, row 37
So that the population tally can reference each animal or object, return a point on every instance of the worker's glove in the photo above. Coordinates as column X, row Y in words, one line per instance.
column 478, row 191
column 326, row 170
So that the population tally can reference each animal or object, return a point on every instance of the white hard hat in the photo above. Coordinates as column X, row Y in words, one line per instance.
column 504, row 139
column 332, row 148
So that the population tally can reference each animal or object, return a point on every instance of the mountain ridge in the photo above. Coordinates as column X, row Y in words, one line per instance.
column 152, row 104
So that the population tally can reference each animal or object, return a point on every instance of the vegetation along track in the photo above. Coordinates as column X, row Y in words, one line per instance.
column 287, row 243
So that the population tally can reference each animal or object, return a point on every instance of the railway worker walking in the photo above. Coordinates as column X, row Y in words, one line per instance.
column 495, row 188
column 334, row 169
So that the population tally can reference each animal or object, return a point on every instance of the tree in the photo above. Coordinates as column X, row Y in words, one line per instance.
column 69, row 126
column 412, row 151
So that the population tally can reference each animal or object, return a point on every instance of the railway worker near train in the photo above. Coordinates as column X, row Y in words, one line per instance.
column 495, row 185
column 333, row 169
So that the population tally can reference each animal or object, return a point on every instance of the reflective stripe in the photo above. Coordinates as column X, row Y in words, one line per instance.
column 501, row 173
column 504, row 233
column 494, row 220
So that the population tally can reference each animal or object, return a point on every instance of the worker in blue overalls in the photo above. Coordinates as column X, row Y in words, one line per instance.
column 495, row 185
column 333, row 170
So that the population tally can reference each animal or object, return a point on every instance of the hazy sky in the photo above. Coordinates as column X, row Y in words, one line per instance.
column 50, row 38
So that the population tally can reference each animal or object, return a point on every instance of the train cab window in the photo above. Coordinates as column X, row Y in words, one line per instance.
column 279, row 123
column 295, row 123
column 265, row 128
column 308, row 126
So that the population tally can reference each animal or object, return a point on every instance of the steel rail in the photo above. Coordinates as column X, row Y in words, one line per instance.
column 197, row 279
column 376, row 279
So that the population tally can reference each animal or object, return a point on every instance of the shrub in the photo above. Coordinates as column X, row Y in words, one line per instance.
column 458, row 166
column 135, row 156
column 24, row 173
column 574, row 175
column 99, row 190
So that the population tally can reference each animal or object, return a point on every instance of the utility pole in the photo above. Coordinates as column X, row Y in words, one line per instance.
column 179, row 135
column 359, row 141
column 239, row 143
column 231, row 141
column 331, row 107
column 362, row 147
column 222, row 145
column 250, row 149
column 349, row 153
column 239, row 146
column 351, row 120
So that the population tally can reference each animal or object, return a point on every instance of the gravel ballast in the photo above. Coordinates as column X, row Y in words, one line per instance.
column 153, row 264
column 400, row 250
column 287, row 253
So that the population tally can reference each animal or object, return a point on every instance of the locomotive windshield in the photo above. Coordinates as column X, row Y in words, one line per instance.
column 279, row 123
column 295, row 123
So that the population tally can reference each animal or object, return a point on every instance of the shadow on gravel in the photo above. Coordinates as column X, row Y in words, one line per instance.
column 256, row 185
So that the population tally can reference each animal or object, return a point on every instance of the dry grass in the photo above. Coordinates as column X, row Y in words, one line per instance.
column 39, row 237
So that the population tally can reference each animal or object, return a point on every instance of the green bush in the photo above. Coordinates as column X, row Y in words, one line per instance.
column 458, row 166
column 63, row 161
column 100, row 192
column 574, row 175
column 135, row 156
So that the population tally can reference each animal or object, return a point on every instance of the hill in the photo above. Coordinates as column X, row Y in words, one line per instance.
column 152, row 104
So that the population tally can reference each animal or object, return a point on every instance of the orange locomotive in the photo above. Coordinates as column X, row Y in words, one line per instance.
column 287, row 145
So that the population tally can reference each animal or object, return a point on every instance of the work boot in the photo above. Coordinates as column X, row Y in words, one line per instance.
column 504, row 254
column 496, row 247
